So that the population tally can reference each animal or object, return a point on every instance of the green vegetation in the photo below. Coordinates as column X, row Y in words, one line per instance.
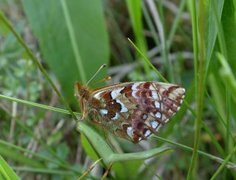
column 46, row 46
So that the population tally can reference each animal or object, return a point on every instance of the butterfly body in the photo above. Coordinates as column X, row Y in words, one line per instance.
column 132, row 110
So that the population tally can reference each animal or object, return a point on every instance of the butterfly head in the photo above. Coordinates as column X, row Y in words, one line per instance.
column 82, row 92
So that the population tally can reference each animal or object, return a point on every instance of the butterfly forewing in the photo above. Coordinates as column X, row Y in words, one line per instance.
column 134, row 110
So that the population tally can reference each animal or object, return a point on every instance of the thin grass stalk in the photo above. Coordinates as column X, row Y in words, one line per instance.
column 150, row 24
column 135, row 13
column 165, row 51
column 198, row 67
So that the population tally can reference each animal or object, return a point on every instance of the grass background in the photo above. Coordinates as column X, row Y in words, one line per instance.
column 46, row 46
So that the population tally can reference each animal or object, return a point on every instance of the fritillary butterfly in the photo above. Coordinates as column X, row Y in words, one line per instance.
column 131, row 110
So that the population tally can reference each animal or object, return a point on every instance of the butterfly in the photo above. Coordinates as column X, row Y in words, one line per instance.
column 131, row 110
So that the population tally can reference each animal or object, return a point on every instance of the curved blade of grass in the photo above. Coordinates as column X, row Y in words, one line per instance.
column 139, row 155
column 85, row 174
column 6, row 171
column 211, row 32
column 227, row 75
column 33, row 104
column 147, row 61
column 224, row 163
column 44, row 171
column 107, row 154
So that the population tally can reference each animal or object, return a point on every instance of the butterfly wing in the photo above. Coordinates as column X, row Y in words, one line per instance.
column 135, row 110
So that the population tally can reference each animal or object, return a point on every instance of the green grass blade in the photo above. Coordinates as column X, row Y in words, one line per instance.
column 74, row 44
column 6, row 172
column 33, row 104
column 199, row 64
column 107, row 154
column 224, row 163
column 134, row 8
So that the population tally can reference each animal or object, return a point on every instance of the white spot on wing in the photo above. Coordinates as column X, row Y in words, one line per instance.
column 145, row 116
column 134, row 86
column 167, row 120
column 103, row 111
column 147, row 133
column 97, row 95
column 123, row 108
column 130, row 131
column 116, row 117
column 182, row 99
column 157, row 104
column 158, row 115
column 180, row 91
column 154, row 95
column 154, row 124
column 116, row 92
column 134, row 94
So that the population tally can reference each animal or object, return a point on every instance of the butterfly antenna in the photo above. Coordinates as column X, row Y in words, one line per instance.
column 101, row 67
column 108, row 78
